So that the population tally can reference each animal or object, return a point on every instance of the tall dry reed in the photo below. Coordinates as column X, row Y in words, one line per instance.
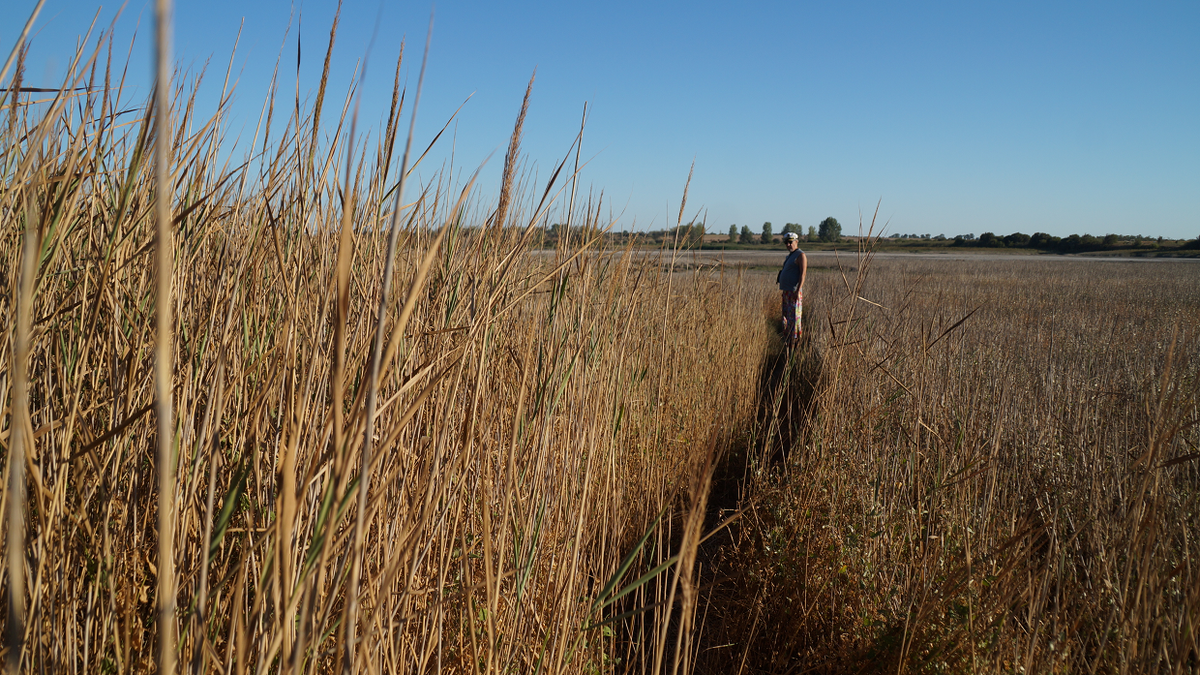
column 544, row 427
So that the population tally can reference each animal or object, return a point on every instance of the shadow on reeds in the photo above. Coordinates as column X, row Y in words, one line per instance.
column 789, row 384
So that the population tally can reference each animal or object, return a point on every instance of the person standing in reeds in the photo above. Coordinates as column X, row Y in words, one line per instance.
column 791, row 283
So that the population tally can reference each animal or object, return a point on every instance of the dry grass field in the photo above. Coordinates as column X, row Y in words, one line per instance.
column 458, row 456
column 992, row 468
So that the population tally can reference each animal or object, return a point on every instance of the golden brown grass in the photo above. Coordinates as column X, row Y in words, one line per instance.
column 538, row 416
column 1017, row 492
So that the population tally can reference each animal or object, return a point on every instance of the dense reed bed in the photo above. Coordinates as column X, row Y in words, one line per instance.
column 995, row 469
column 543, row 435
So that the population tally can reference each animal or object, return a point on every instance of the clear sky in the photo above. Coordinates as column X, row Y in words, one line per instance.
column 959, row 117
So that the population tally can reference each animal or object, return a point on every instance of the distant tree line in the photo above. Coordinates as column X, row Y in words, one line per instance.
column 828, row 231
column 1074, row 243
column 687, row 234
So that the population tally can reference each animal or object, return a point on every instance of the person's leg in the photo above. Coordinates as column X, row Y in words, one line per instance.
column 798, row 327
column 783, row 313
column 790, row 326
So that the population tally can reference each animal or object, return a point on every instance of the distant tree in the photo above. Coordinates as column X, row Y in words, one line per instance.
column 1110, row 240
column 733, row 234
column 1016, row 239
column 767, row 237
column 789, row 227
column 1043, row 241
column 747, row 237
column 686, row 235
column 991, row 240
column 830, row 230
column 812, row 233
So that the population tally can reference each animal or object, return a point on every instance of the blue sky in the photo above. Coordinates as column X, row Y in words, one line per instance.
column 958, row 117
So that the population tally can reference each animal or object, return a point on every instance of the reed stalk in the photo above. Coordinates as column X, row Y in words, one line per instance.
column 20, row 437
column 164, row 343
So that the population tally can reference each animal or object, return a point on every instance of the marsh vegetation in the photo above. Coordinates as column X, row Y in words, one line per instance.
column 997, row 470
column 966, row 468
